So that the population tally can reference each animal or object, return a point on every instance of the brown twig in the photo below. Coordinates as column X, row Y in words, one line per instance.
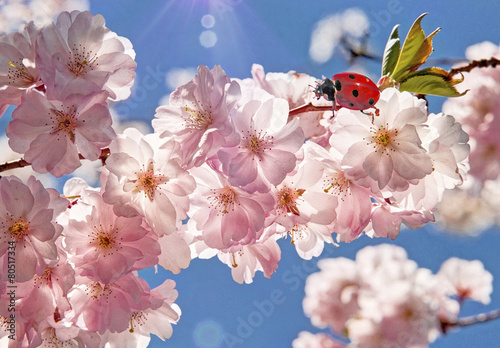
column 472, row 320
column 307, row 108
column 482, row 63
column 20, row 163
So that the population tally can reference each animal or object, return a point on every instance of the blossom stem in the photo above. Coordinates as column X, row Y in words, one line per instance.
column 481, row 63
column 475, row 319
column 307, row 108
column 20, row 163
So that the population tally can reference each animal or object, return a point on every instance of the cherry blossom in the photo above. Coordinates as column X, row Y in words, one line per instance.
column 332, row 294
column 104, row 246
column 17, row 65
column 388, row 152
column 104, row 307
column 263, row 255
column 446, row 144
column 79, row 55
column 354, row 202
column 45, row 294
column 29, row 223
column 477, row 111
column 143, row 175
column 61, row 131
column 227, row 216
column 467, row 279
column 295, row 88
column 64, row 333
column 156, row 320
column 198, row 115
column 267, row 147
column 383, row 299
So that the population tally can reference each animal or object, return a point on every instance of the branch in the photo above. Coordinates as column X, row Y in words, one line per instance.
column 482, row 63
column 13, row 164
column 20, row 163
column 473, row 319
column 307, row 108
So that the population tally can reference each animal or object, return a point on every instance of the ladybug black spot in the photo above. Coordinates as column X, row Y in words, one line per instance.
column 351, row 105
column 338, row 85
column 371, row 101
column 352, row 77
column 355, row 93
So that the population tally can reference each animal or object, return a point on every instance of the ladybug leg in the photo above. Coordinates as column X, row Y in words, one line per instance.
column 335, row 108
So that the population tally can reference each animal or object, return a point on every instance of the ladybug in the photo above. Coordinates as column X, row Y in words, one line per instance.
column 349, row 90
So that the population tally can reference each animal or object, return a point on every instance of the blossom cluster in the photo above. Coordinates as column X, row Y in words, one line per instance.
column 264, row 172
column 231, row 167
column 479, row 114
column 75, row 258
column 383, row 299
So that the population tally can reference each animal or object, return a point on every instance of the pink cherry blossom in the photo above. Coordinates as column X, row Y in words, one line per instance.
column 29, row 223
column 332, row 294
column 388, row 152
column 17, row 65
column 267, row 147
column 79, row 55
column 263, row 255
column 103, row 307
column 297, row 89
column 467, row 279
column 198, row 115
column 156, row 320
column 143, row 175
column 104, row 246
column 447, row 147
column 45, row 294
column 60, row 131
column 63, row 333
column 227, row 216
column 354, row 202
column 381, row 300
column 301, row 198
column 309, row 238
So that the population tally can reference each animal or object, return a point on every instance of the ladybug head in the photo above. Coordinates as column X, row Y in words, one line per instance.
column 325, row 89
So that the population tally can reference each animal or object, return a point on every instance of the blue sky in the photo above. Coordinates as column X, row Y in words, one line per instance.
column 218, row 312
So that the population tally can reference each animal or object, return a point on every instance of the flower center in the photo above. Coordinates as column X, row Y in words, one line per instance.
column 138, row 319
column 223, row 200
column 45, row 278
column 18, row 74
column 81, row 61
column 96, row 290
column 337, row 184
column 19, row 229
column 257, row 142
column 383, row 137
column 148, row 181
column 297, row 232
column 197, row 119
column 64, row 122
column 287, row 199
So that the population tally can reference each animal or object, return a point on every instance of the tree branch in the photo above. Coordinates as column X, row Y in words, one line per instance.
column 482, row 63
column 472, row 320
column 307, row 108
column 20, row 163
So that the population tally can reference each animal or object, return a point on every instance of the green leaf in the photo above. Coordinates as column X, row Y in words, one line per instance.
column 416, row 49
column 434, row 81
column 391, row 52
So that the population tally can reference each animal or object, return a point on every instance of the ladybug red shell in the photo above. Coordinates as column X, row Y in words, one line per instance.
column 349, row 90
